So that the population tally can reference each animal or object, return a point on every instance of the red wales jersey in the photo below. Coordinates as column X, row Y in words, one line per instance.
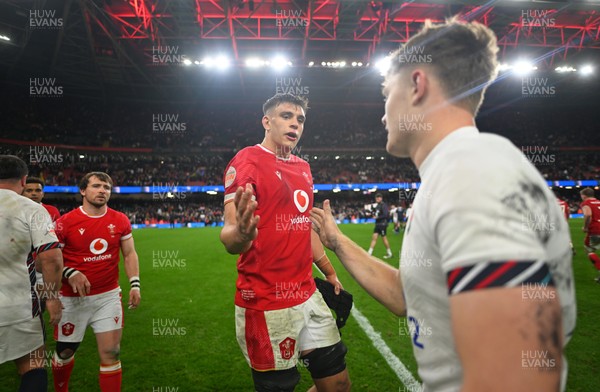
column 91, row 245
column 53, row 211
column 276, row 272
column 564, row 207
column 594, row 204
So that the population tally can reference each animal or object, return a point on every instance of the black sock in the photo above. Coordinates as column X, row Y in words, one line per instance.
column 35, row 380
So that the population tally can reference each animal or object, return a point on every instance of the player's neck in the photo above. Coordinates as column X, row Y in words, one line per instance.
column 443, row 122
column 280, row 152
column 93, row 210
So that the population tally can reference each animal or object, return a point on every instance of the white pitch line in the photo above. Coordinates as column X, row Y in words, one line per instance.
column 392, row 360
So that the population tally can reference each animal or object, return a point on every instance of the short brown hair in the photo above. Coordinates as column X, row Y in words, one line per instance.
column 462, row 55
column 100, row 175
column 587, row 192
column 280, row 98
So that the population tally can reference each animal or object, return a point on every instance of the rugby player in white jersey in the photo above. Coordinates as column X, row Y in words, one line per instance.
column 26, row 235
column 485, row 268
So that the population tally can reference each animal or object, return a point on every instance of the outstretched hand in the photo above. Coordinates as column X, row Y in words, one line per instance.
column 324, row 225
column 245, row 220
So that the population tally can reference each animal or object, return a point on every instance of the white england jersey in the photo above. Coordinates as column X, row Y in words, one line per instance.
column 26, row 229
column 480, row 201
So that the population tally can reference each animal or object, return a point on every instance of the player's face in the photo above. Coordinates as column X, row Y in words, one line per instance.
column 284, row 125
column 34, row 192
column 396, row 112
column 97, row 192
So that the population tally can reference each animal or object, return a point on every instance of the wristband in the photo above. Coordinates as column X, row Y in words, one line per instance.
column 68, row 272
column 134, row 281
column 320, row 258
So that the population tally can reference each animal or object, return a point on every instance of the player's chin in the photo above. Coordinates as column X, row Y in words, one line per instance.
column 99, row 203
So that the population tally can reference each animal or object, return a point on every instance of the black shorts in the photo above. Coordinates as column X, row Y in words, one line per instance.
column 380, row 229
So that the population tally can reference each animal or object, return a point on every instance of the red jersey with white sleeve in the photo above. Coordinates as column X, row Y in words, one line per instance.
column 564, row 207
column 91, row 245
column 594, row 205
column 276, row 272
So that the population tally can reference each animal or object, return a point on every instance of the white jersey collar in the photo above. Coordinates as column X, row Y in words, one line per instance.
column 449, row 138
column 92, row 216
column 272, row 153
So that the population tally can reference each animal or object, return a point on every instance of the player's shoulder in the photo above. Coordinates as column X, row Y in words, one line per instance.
column 248, row 153
column 112, row 213
column 50, row 208
column 73, row 215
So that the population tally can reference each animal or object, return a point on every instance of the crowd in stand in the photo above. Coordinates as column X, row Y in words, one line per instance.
column 196, row 127
column 191, row 145
column 147, row 169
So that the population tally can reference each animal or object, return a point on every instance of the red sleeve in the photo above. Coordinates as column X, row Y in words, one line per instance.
column 240, row 171
column 126, row 227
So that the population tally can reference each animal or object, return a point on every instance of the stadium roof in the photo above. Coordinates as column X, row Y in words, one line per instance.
column 98, row 45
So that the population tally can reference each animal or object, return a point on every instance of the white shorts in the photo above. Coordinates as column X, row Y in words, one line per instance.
column 273, row 339
column 20, row 339
column 103, row 312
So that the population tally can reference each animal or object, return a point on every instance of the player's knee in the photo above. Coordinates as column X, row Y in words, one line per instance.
column 276, row 380
column 66, row 350
column 112, row 352
column 327, row 361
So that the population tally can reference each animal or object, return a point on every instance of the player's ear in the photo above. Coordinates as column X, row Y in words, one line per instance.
column 418, row 85
column 266, row 123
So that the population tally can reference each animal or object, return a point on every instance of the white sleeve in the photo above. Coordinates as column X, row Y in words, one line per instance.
column 478, row 222
column 41, row 228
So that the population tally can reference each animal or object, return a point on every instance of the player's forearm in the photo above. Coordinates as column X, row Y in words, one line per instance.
column 233, row 241
column 379, row 279
column 52, row 266
column 324, row 265
column 586, row 221
column 132, row 265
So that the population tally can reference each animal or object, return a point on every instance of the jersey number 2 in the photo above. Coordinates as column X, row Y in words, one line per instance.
column 416, row 342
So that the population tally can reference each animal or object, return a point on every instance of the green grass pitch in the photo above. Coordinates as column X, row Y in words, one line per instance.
column 182, row 337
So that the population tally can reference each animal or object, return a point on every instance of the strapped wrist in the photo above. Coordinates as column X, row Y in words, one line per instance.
column 134, row 282
column 68, row 272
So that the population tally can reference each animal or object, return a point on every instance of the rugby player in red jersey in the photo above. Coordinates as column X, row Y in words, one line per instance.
column 92, row 236
column 34, row 190
column 280, row 316
column 591, row 226
column 564, row 207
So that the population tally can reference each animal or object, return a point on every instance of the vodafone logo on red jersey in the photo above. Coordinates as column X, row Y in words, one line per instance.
column 301, row 200
column 98, row 246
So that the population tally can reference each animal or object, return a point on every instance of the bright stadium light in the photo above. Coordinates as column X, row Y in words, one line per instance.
column 311, row 63
column 4, row 37
column 323, row 63
column 196, row 62
column 523, row 67
column 383, row 65
column 254, row 62
column 342, row 63
column 222, row 62
column 208, row 62
column 564, row 68
column 280, row 63
column 211, row 192
column 354, row 63
column 187, row 62
column 587, row 70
